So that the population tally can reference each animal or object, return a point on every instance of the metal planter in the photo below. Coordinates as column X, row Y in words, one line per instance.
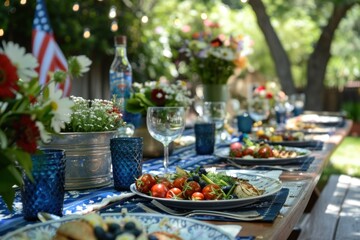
column 88, row 158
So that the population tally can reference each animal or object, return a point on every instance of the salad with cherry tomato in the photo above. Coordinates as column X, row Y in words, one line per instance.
column 250, row 150
column 196, row 185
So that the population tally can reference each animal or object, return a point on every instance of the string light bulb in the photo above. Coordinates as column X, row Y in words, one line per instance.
column 204, row 16
column 2, row 32
column 112, row 12
column 76, row 7
column 144, row 19
column 86, row 33
column 23, row 2
column 114, row 26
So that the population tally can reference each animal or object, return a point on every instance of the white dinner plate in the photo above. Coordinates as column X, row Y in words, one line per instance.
column 224, row 153
column 186, row 228
column 270, row 185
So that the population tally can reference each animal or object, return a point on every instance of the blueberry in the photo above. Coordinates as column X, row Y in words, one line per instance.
column 202, row 171
column 152, row 237
column 130, row 226
column 101, row 234
column 202, row 184
column 113, row 227
column 136, row 232
column 190, row 179
column 226, row 189
column 196, row 178
column 234, row 196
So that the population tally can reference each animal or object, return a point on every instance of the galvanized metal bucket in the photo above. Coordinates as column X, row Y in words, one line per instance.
column 88, row 158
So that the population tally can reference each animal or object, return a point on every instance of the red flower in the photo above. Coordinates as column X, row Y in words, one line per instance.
column 260, row 88
column 216, row 42
column 27, row 133
column 8, row 78
column 158, row 97
column 269, row 95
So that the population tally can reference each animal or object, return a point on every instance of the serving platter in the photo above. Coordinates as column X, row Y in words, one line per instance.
column 270, row 185
column 186, row 228
column 305, row 153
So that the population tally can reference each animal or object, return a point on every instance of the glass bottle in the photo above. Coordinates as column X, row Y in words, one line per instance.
column 120, row 82
column 120, row 74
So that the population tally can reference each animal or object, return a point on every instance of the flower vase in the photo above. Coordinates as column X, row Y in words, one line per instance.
column 216, row 92
column 88, row 158
column 151, row 147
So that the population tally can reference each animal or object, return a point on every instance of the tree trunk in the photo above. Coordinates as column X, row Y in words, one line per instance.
column 319, row 59
column 280, row 57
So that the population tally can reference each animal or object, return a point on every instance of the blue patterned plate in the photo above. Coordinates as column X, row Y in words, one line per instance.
column 186, row 228
column 270, row 185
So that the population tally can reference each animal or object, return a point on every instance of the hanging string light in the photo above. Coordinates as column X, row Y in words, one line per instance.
column 76, row 7
column 2, row 32
column 114, row 26
column 86, row 33
column 144, row 19
column 112, row 12
column 23, row 2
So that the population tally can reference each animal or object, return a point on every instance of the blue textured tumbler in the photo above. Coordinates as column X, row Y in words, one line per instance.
column 126, row 157
column 46, row 193
column 204, row 138
column 244, row 123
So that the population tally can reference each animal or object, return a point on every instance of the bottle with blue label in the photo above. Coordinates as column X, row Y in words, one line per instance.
column 121, row 78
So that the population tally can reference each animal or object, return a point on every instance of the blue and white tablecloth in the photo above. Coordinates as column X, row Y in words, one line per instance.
column 185, row 157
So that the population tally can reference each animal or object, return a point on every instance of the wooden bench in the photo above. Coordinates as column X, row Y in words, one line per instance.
column 336, row 214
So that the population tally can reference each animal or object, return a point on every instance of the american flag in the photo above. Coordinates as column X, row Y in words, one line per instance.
column 45, row 48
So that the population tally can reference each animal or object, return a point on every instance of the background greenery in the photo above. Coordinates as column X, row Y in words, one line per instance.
column 153, row 44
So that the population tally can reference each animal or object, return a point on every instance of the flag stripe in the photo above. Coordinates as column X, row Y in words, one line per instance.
column 45, row 48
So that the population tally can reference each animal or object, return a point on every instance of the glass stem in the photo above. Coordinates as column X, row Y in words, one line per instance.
column 166, row 157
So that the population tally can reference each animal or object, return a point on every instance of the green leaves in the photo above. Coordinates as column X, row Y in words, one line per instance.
column 138, row 104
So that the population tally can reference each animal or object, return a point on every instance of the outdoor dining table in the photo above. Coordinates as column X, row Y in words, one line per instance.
column 289, row 204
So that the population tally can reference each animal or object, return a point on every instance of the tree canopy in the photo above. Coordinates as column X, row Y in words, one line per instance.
column 155, row 31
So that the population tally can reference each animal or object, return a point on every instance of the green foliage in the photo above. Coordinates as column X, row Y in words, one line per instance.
column 352, row 110
column 153, row 46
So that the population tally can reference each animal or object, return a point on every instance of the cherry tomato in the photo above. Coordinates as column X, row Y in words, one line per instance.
column 235, row 146
column 212, row 192
column 159, row 190
column 190, row 188
column 248, row 151
column 235, row 149
column 265, row 152
column 145, row 182
column 197, row 196
column 165, row 181
column 179, row 182
column 175, row 193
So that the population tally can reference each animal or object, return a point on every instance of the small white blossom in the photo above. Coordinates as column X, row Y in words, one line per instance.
column 24, row 62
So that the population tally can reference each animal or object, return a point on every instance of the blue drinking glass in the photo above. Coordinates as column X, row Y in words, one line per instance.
column 126, row 157
column 46, row 193
column 244, row 123
column 204, row 138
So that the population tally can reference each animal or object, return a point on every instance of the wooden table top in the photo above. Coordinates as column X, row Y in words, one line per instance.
column 283, row 225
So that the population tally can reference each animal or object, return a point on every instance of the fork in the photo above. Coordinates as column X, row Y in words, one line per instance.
column 245, row 216
column 263, row 166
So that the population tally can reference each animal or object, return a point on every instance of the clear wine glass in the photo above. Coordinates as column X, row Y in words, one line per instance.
column 259, row 109
column 215, row 112
column 165, row 124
